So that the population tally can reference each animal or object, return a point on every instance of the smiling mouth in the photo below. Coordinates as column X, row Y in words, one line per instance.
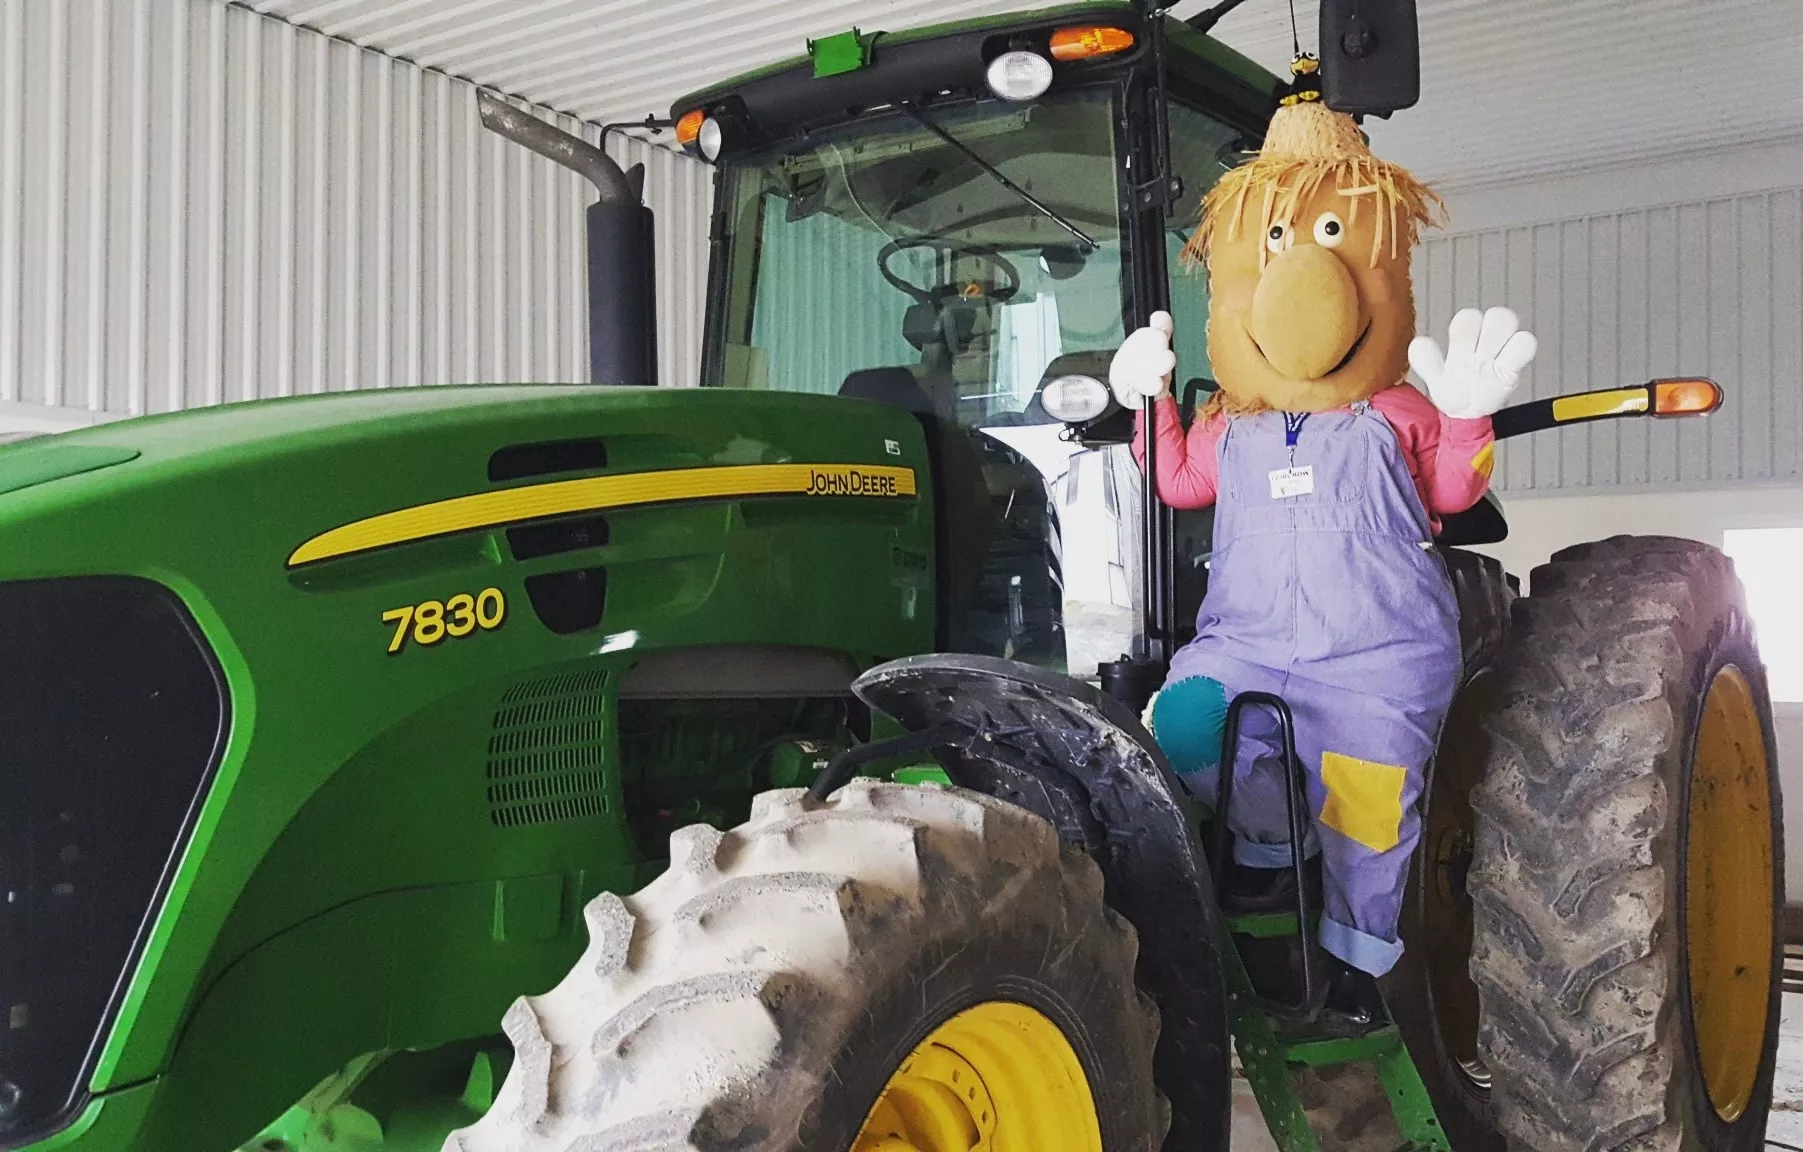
column 1344, row 360
column 1352, row 351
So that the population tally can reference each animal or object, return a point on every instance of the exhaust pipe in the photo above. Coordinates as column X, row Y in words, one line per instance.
column 622, row 273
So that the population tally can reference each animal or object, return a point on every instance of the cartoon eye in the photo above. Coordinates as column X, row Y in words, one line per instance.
column 1278, row 238
column 1330, row 231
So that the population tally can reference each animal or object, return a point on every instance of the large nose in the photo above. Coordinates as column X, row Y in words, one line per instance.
column 1305, row 312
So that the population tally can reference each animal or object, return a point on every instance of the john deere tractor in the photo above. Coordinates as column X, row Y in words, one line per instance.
column 785, row 729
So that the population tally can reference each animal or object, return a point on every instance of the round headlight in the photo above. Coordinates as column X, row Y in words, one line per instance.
column 708, row 139
column 1020, row 75
column 1074, row 399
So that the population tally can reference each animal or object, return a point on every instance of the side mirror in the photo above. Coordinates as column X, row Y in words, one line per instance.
column 1370, row 56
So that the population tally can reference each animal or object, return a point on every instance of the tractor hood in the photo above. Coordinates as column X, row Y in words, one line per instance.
column 198, row 612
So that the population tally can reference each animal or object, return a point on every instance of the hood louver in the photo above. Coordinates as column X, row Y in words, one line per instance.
column 547, row 754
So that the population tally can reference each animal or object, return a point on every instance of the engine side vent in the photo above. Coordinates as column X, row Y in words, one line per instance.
column 547, row 753
column 573, row 683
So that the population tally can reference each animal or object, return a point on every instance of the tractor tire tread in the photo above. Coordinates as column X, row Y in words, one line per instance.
column 1572, row 956
column 706, row 1012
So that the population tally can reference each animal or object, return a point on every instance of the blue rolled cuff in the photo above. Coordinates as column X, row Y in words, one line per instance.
column 1362, row 950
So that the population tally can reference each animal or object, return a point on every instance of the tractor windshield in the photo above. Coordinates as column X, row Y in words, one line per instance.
column 952, row 263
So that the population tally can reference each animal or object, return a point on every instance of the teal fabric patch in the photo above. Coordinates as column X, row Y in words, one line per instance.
column 1187, row 721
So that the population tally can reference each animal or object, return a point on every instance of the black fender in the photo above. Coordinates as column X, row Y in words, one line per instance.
column 1082, row 761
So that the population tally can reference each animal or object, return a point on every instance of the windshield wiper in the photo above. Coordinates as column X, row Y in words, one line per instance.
column 1026, row 197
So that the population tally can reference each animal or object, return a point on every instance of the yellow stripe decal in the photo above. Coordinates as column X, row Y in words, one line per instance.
column 562, row 497
column 1586, row 405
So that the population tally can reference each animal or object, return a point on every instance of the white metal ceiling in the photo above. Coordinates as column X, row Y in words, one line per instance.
column 1510, row 88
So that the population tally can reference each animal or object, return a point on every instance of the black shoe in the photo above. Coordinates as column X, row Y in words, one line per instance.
column 1248, row 889
column 1354, row 1006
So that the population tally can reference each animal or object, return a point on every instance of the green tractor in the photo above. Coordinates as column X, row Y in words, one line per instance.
column 334, row 724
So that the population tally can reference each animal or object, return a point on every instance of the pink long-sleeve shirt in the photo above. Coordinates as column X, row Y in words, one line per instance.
column 1449, row 459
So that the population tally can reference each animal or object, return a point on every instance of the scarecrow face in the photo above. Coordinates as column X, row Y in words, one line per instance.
column 1303, row 314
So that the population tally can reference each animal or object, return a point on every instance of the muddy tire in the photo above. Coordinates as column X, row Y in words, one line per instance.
column 762, row 992
column 1628, row 859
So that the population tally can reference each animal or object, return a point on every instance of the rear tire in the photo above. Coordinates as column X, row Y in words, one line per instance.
column 765, row 991
column 1628, row 863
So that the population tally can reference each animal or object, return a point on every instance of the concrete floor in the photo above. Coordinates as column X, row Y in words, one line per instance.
column 1249, row 1134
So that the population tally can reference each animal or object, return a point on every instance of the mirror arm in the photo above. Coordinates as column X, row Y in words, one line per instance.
column 1700, row 397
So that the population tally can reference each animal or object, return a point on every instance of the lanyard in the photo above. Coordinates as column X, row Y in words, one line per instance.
column 1292, row 428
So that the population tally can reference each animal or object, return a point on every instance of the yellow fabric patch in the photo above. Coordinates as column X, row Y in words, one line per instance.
column 1364, row 800
column 1485, row 460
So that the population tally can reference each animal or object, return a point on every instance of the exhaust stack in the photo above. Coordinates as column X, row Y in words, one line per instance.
column 622, row 274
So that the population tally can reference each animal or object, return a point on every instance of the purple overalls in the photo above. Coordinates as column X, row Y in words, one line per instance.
column 1322, row 590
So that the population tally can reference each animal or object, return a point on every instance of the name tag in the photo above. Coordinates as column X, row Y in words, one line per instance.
column 1288, row 482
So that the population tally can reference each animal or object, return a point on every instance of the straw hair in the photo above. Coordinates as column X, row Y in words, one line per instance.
column 1224, row 403
column 1308, row 144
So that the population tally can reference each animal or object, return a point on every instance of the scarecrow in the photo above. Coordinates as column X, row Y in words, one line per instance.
column 1328, row 472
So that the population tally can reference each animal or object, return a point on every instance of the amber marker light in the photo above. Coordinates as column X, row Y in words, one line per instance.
column 688, row 129
column 1686, row 397
column 1089, row 42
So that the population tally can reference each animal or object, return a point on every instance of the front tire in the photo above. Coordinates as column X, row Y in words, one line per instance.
column 1628, row 864
column 900, row 967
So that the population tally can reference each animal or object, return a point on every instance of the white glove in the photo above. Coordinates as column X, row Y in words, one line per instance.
column 1485, row 355
column 1142, row 368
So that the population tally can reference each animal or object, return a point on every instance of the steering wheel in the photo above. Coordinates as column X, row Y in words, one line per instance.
column 939, row 244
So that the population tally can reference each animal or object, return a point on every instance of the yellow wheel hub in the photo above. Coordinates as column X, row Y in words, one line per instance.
column 998, row 1077
column 1729, row 892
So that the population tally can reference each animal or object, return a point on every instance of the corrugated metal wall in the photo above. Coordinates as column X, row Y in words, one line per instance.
column 201, row 204
column 1570, row 103
column 1709, row 288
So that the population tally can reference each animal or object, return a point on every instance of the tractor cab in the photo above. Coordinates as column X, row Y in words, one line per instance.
column 965, row 224
column 964, row 221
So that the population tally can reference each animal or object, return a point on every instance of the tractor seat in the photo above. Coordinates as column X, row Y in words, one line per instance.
column 896, row 386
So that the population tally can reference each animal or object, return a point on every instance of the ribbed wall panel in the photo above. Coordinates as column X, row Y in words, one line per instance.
column 200, row 204
column 1711, row 288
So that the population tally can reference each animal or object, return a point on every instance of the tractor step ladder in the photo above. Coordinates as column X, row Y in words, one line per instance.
column 1273, row 1039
